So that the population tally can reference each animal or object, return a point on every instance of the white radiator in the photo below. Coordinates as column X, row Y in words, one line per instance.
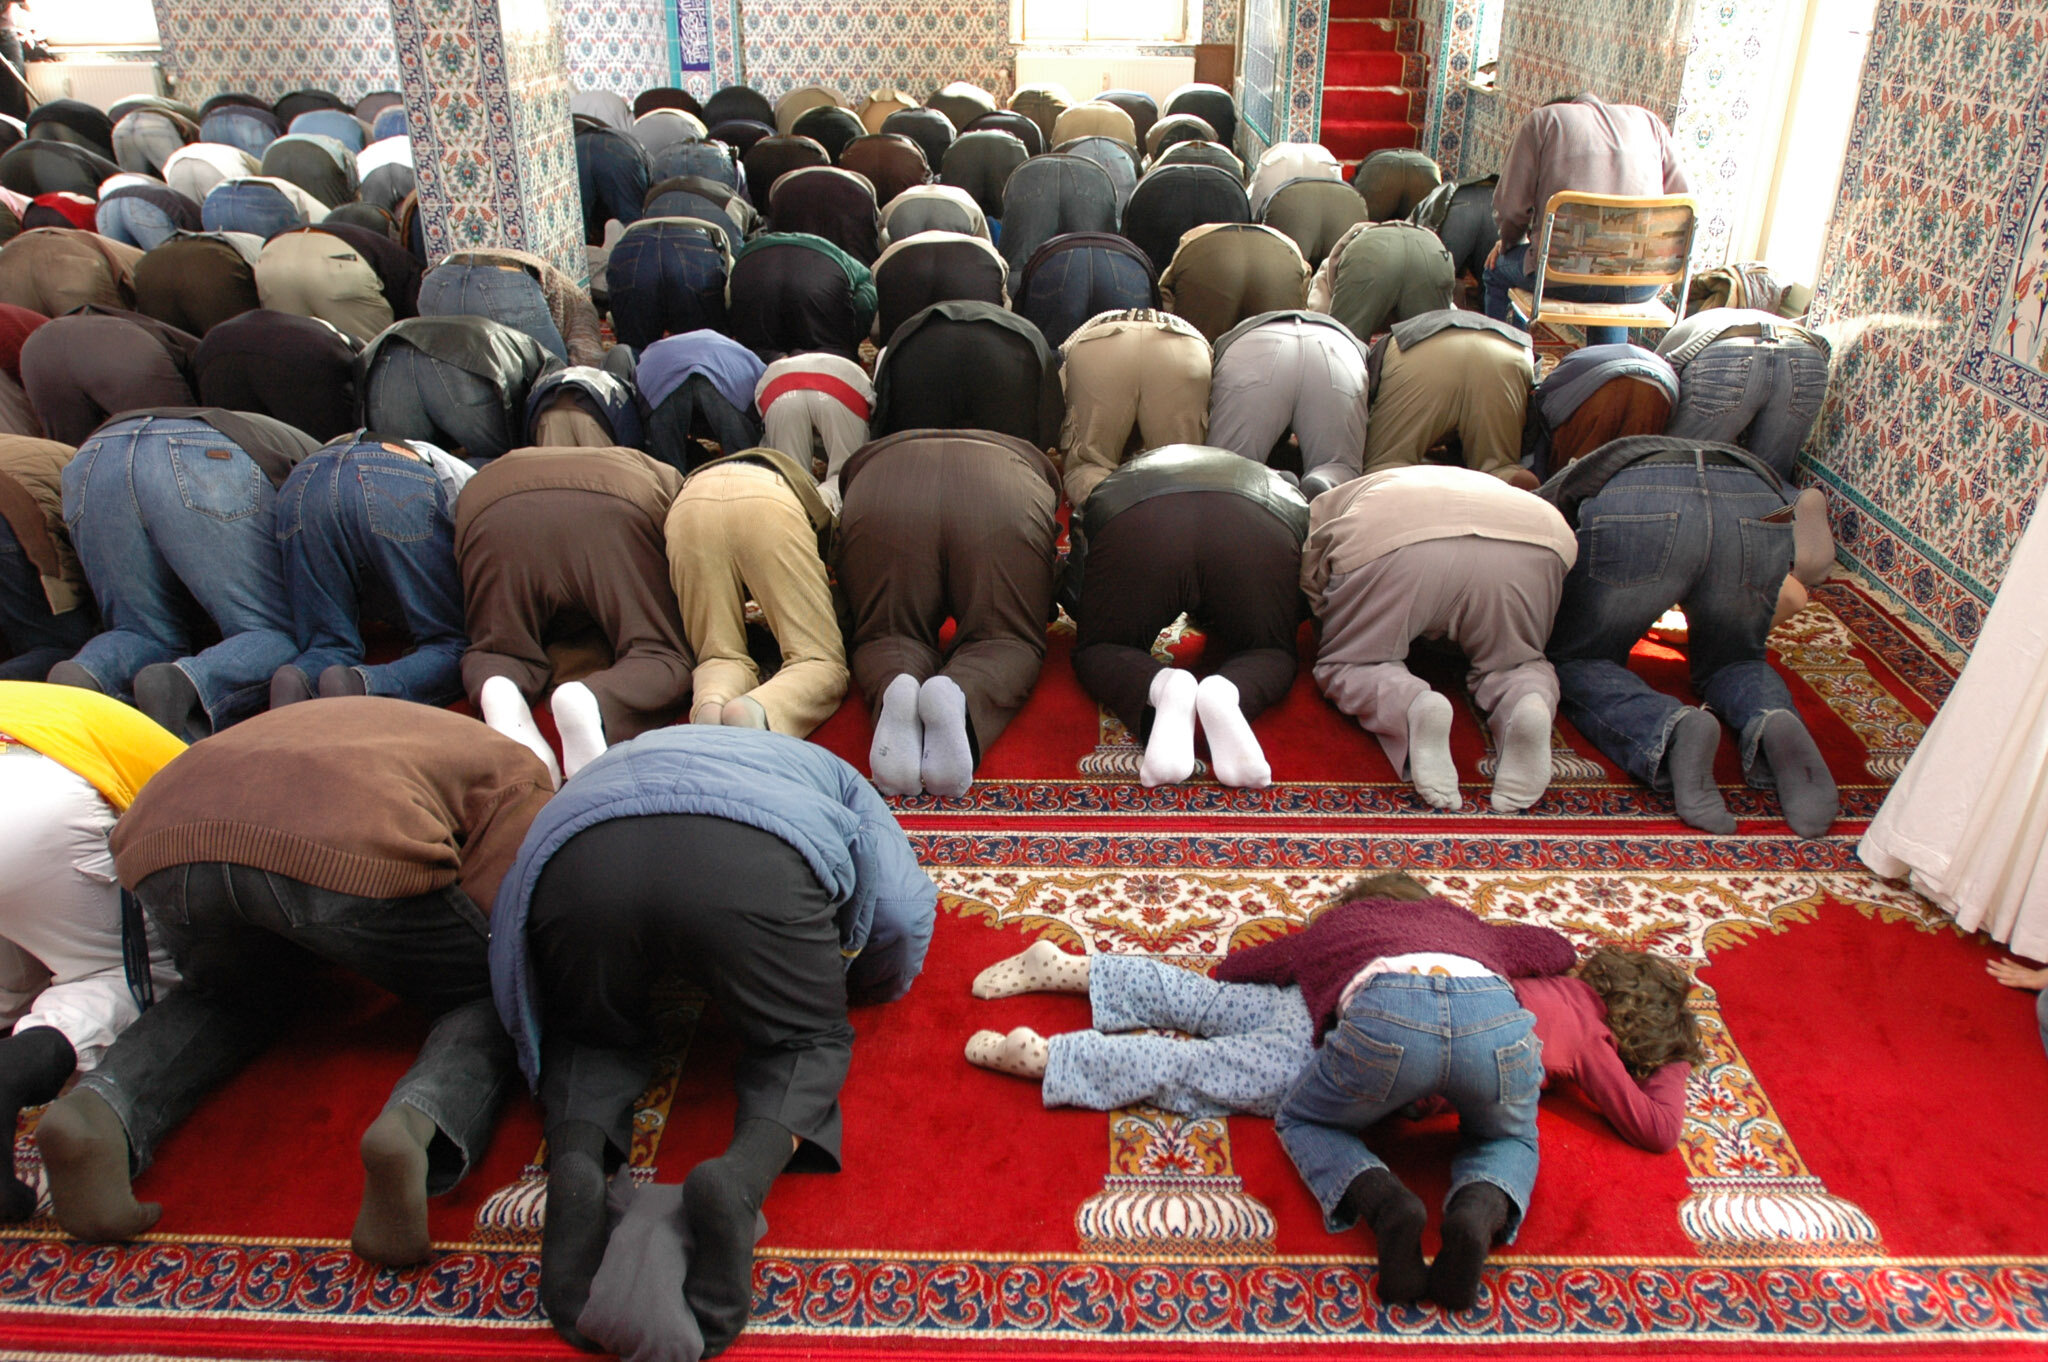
column 98, row 83
column 1088, row 76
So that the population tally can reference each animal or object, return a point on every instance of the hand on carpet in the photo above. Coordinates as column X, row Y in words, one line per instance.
column 2012, row 974
column 1023, row 1053
column 1040, row 967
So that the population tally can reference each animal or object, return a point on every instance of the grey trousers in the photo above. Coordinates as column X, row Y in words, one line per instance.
column 1493, row 598
column 1299, row 376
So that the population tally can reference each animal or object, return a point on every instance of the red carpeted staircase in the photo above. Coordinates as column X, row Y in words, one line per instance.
column 1372, row 78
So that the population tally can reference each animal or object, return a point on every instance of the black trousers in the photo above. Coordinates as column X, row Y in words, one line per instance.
column 696, row 408
column 1222, row 558
column 629, row 904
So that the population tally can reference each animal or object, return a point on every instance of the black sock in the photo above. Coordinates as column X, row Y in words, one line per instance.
column 1396, row 1217
column 573, row 1233
column 721, row 1199
column 1476, row 1214
column 33, row 1066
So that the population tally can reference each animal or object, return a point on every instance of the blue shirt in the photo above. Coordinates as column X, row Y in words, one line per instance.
column 732, row 368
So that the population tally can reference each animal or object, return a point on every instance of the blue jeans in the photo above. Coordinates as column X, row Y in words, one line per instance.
column 238, row 127
column 32, row 639
column 1659, row 535
column 1756, row 392
column 1407, row 1037
column 166, row 513
column 355, row 517
column 246, row 206
column 611, row 175
column 1509, row 271
column 134, row 221
column 245, row 940
column 512, row 297
column 665, row 278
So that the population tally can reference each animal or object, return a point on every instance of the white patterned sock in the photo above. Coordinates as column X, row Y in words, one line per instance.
column 1023, row 1052
column 1040, row 967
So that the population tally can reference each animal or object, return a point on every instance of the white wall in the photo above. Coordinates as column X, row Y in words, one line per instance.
column 93, row 23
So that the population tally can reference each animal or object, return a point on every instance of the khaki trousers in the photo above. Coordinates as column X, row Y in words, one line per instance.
column 1458, row 382
column 1133, row 376
column 736, row 530
column 315, row 274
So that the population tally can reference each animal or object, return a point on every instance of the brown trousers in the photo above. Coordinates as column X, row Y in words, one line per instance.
column 539, row 565
column 944, row 528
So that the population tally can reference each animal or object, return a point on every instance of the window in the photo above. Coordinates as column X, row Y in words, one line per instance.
column 1486, row 43
column 103, row 23
column 1820, row 106
column 1105, row 21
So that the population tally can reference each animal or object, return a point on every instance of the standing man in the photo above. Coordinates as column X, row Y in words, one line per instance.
column 1581, row 143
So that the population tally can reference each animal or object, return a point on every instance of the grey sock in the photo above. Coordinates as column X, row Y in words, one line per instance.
column 1806, row 788
column 289, row 686
column 743, row 712
column 1689, row 758
column 898, row 748
column 947, row 764
column 167, row 695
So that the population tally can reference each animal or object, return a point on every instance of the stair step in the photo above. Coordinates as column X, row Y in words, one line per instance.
column 1370, row 105
column 1353, row 139
column 1364, row 68
column 1362, row 36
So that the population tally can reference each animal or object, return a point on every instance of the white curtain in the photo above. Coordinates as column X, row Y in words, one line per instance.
column 1967, row 822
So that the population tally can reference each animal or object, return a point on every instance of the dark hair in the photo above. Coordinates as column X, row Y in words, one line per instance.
column 1645, row 996
column 1387, row 884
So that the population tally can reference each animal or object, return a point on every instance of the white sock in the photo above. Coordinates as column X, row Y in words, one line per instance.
column 898, row 747
column 581, row 724
column 1522, row 772
column 945, row 764
column 1170, row 750
column 1023, row 1052
column 1039, row 968
column 1233, row 749
column 505, row 710
column 1430, row 768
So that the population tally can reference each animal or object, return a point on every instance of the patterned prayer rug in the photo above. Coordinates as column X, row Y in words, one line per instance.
column 1855, row 1166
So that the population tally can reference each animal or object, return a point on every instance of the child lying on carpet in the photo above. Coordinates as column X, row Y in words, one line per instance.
column 1617, row 1025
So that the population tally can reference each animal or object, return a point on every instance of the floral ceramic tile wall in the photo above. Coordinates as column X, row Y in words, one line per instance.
column 617, row 45
column 1931, row 442
column 262, row 48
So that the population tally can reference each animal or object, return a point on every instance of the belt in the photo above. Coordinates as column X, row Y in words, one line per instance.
column 1712, row 458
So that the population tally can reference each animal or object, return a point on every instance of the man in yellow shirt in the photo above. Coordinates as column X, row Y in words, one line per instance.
column 71, row 760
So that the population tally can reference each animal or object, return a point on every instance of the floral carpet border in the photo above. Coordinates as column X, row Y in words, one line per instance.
column 1378, row 850
column 1054, row 1299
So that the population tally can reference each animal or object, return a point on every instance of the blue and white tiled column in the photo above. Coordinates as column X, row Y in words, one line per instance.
column 487, row 102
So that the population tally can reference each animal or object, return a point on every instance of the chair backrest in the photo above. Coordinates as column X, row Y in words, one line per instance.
column 1615, row 240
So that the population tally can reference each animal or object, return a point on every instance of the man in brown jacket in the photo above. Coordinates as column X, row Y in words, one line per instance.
column 548, row 537
column 365, row 832
column 46, row 609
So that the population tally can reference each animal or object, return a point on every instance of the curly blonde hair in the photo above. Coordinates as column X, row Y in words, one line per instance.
column 1645, row 996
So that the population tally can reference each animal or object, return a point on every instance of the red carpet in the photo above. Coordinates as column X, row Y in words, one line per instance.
column 1856, row 1174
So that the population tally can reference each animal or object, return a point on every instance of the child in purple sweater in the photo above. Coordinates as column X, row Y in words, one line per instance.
column 1258, row 1043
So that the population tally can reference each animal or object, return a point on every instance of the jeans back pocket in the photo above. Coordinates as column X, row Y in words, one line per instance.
column 1361, row 1065
column 1630, row 550
column 1766, row 555
column 215, row 478
column 403, row 504
column 1520, row 1066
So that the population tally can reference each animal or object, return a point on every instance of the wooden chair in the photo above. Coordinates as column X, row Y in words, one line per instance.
column 1612, row 241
